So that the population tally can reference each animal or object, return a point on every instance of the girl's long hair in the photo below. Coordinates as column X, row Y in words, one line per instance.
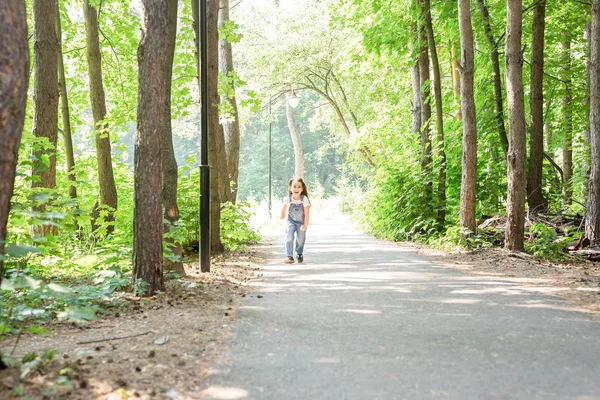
column 304, row 188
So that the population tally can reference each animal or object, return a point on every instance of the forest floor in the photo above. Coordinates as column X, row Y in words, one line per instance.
column 163, row 347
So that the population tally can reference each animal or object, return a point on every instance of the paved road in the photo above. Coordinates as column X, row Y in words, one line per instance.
column 363, row 319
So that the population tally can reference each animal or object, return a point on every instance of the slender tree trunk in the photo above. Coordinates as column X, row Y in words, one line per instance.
column 567, row 114
column 219, row 161
column 169, row 163
column 293, row 127
column 467, row 98
column 586, row 104
column 106, row 179
column 425, row 105
column 592, row 217
column 439, row 118
column 14, row 81
column 216, row 151
column 535, row 197
column 455, row 65
column 231, row 128
column 416, row 83
column 66, row 115
column 147, row 217
column 45, row 95
column 497, row 75
column 515, row 203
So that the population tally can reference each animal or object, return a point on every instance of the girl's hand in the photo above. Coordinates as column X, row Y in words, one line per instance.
column 303, row 227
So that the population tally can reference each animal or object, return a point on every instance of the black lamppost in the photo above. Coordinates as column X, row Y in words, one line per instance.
column 204, row 168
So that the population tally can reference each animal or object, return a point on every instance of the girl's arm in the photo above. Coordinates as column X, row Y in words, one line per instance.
column 283, row 210
column 306, row 217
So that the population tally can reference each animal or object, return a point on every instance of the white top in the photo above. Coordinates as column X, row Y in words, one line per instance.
column 306, row 201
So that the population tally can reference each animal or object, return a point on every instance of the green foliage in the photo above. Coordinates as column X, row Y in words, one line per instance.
column 236, row 232
column 544, row 241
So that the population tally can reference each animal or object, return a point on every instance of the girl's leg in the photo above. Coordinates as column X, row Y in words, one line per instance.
column 289, row 239
column 300, row 240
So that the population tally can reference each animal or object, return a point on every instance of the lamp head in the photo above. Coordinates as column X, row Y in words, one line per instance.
column 294, row 100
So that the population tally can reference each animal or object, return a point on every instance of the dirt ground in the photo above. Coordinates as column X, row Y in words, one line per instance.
column 163, row 348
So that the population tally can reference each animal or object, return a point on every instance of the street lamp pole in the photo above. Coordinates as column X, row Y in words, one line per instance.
column 204, row 168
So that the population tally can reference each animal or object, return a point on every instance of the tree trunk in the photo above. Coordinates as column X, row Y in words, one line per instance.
column 231, row 128
column 592, row 216
column 455, row 64
column 515, row 203
column 467, row 98
column 169, row 163
column 535, row 196
column 216, row 150
column 293, row 127
column 106, row 179
column 14, row 81
column 567, row 114
column 439, row 118
column 66, row 115
column 497, row 77
column 147, row 218
column 45, row 95
column 416, row 83
column 586, row 103
column 425, row 106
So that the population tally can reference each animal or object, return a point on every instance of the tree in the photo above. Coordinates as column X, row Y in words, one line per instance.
column 592, row 216
column 295, row 135
column 231, row 125
column 147, row 219
column 515, row 204
column 468, row 189
column 567, row 100
column 425, row 91
column 497, row 76
column 106, row 179
column 169, row 163
column 45, row 96
column 535, row 197
column 66, row 115
column 219, row 180
column 14, row 81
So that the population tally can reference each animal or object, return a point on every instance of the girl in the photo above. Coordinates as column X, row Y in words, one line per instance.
column 297, row 205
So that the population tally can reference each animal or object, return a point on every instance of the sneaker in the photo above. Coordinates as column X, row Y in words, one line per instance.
column 289, row 260
column 300, row 258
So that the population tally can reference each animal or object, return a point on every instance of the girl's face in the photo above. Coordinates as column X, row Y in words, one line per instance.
column 296, row 188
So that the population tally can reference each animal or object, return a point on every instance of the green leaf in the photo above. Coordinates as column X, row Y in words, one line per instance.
column 77, row 314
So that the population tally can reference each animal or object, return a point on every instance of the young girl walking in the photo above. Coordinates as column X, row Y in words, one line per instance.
column 297, row 207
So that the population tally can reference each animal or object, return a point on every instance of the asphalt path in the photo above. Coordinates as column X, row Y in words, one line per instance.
column 365, row 319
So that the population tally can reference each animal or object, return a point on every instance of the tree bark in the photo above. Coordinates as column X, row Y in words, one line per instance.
column 293, row 127
column 467, row 98
column 106, row 179
column 567, row 114
column 586, row 103
column 515, row 203
column 66, row 115
column 592, row 217
column 219, row 187
column 535, row 196
column 416, row 83
column 425, row 106
column 455, row 63
column 231, row 128
column 497, row 76
column 14, row 81
column 439, row 118
column 45, row 95
column 169, row 163
column 147, row 217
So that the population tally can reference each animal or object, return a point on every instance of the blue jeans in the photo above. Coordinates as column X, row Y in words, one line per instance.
column 294, row 228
